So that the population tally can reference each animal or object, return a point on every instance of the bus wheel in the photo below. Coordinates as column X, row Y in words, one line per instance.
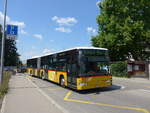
column 62, row 81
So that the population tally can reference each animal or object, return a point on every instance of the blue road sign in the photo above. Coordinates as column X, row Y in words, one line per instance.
column 12, row 30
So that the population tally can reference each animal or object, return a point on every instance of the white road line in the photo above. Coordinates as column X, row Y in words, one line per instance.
column 146, row 90
column 49, row 98
column 3, row 104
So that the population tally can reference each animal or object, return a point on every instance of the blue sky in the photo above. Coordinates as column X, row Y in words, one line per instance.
column 51, row 25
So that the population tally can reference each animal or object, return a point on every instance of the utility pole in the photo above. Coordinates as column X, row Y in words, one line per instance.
column 3, row 43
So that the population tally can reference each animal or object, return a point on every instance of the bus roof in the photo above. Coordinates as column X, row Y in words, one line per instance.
column 76, row 48
column 89, row 48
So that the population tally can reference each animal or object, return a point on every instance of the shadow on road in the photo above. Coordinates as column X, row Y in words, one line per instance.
column 94, row 91
column 99, row 90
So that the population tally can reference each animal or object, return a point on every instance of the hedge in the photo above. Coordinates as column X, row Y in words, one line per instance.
column 5, row 84
column 119, row 69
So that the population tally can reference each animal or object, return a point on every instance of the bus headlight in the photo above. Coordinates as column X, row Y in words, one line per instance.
column 108, row 81
column 83, row 84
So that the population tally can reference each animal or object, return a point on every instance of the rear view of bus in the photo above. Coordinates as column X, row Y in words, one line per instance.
column 93, row 69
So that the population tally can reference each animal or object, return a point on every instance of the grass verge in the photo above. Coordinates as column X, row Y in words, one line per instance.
column 5, row 84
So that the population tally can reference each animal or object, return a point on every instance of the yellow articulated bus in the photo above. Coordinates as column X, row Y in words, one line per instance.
column 79, row 68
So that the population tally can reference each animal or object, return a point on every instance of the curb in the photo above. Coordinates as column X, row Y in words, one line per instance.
column 3, row 105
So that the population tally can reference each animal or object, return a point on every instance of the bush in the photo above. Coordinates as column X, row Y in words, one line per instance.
column 4, row 86
column 119, row 69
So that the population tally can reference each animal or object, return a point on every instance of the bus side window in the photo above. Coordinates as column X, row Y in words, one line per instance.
column 72, row 69
column 69, row 68
column 61, row 66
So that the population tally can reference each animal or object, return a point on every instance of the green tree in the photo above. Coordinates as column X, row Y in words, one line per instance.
column 124, row 28
column 10, row 53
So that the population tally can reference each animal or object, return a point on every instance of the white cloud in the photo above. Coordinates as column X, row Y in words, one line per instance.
column 62, row 29
column 47, row 51
column 68, row 21
column 23, row 32
column 35, row 52
column 17, row 41
column 97, row 3
column 9, row 21
column 21, row 25
column 30, row 54
column 33, row 47
column 38, row 36
column 91, row 30
column 51, row 40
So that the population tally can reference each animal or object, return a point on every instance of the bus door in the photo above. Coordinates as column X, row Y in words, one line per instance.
column 72, row 74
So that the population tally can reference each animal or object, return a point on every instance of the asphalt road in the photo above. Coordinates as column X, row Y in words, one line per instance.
column 125, row 96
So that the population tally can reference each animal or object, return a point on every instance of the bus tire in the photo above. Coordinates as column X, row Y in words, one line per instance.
column 62, row 81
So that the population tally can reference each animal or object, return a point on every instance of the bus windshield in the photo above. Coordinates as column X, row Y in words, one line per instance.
column 94, row 65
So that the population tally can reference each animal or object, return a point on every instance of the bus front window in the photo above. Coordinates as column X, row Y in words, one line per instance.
column 93, row 66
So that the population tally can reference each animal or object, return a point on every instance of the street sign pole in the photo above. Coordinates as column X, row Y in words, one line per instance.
column 3, row 43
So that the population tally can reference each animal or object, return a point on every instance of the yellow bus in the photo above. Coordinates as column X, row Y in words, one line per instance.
column 79, row 68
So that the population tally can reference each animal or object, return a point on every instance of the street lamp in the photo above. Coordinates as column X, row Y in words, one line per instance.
column 3, row 43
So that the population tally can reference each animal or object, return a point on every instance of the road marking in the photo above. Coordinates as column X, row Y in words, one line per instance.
column 148, row 87
column 49, row 98
column 145, row 90
column 66, row 98
column 3, row 104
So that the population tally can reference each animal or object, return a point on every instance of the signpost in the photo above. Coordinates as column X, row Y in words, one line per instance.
column 3, row 43
column 12, row 32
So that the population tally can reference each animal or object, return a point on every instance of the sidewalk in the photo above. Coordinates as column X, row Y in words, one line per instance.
column 140, row 80
column 23, row 97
